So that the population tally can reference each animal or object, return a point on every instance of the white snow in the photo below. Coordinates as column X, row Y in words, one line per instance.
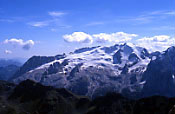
column 142, row 63
column 154, row 58
column 142, row 82
column 96, row 57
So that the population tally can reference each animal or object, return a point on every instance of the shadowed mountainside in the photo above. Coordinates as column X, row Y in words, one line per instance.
column 30, row 97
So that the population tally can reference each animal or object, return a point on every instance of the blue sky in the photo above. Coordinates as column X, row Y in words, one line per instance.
column 50, row 27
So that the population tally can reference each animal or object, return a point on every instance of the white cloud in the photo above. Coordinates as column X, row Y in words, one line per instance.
column 156, row 43
column 39, row 24
column 95, row 23
column 79, row 37
column 53, row 30
column 54, row 20
column 26, row 45
column 118, row 37
column 161, row 28
column 56, row 13
column 7, row 52
column 50, row 22
column 170, row 13
column 142, row 19
column 6, row 20
column 148, row 17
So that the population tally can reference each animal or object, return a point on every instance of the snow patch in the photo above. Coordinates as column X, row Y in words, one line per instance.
column 141, row 83
column 154, row 58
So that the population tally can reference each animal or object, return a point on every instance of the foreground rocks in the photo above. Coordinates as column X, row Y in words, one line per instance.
column 30, row 97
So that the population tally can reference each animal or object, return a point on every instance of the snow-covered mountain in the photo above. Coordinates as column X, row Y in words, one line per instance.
column 93, row 71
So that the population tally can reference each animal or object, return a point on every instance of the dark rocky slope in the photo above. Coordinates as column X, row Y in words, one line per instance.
column 35, row 62
column 160, row 75
column 33, row 98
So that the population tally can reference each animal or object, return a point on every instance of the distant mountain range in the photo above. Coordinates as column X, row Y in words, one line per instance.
column 95, row 71
column 8, row 71
column 7, row 62
column 8, row 67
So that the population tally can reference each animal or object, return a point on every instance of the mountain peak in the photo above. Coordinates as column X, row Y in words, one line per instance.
column 94, row 71
column 171, row 49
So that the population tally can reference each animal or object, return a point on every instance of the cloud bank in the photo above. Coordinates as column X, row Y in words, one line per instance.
column 81, row 37
column 155, row 43
column 26, row 45
column 118, row 37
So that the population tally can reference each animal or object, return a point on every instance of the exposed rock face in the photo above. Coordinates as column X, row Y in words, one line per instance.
column 160, row 74
column 110, row 49
column 85, row 49
column 117, row 57
column 35, row 62
column 172, row 111
column 133, row 58
column 144, row 53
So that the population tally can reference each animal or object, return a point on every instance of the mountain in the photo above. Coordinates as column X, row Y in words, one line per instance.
column 8, row 71
column 7, row 62
column 95, row 71
column 29, row 97
column 113, row 103
column 160, row 75
column 35, row 62
column 8, row 67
